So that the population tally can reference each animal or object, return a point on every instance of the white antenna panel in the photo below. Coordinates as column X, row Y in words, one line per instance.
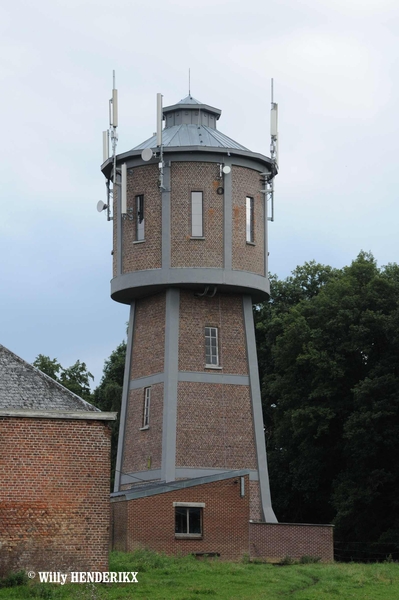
column 273, row 120
column 159, row 119
column 114, row 108
column 123, row 190
column 105, row 146
column 146, row 154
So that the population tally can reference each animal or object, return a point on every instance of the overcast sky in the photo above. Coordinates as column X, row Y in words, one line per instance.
column 335, row 66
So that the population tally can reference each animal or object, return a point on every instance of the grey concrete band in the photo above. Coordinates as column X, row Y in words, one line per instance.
column 218, row 377
column 143, row 382
column 125, row 399
column 242, row 158
column 228, row 218
column 170, row 384
column 193, row 376
column 119, row 230
column 266, row 234
column 166, row 217
column 264, row 486
column 140, row 283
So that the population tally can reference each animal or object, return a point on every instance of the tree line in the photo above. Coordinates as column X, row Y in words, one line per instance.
column 328, row 352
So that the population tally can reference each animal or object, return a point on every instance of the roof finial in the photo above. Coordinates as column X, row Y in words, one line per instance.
column 189, row 82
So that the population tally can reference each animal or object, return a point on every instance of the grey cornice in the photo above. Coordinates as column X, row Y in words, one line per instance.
column 181, row 153
column 137, row 284
column 54, row 414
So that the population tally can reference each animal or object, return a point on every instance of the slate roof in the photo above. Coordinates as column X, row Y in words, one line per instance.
column 22, row 386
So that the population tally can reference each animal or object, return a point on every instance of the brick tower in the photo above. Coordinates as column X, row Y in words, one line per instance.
column 190, row 258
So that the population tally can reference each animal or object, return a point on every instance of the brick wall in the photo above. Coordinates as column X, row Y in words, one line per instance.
column 222, row 311
column 187, row 177
column 275, row 541
column 247, row 257
column 54, row 494
column 149, row 337
column 186, row 252
column 147, row 254
column 214, row 426
column 151, row 521
column 143, row 448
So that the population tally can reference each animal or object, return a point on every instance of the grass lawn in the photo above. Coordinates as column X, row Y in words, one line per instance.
column 166, row 578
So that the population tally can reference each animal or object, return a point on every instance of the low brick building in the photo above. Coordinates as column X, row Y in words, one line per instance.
column 54, row 471
column 209, row 516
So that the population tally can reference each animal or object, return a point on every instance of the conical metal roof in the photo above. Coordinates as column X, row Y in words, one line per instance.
column 189, row 100
column 191, row 135
column 190, row 122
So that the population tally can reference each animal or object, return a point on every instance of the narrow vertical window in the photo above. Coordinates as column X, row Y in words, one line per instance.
column 139, row 217
column 146, row 411
column 197, row 229
column 211, row 346
column 250, row 219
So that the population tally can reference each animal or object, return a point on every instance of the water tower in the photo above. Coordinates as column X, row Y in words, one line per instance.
column 190, row 208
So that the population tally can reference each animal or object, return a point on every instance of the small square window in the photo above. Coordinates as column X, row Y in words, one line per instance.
column 188, row 521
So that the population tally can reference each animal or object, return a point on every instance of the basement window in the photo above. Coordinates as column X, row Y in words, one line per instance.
column 188, row 519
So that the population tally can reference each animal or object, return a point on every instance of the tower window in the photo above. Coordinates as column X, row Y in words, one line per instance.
column 140, row 217
column 197, row 229
column 146, row 410
column 250, row 237
column 188, row 519
column 211, row 347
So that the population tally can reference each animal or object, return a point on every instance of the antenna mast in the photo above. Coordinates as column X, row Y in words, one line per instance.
column 159, row 140
column 111, row 133
column 273, row 151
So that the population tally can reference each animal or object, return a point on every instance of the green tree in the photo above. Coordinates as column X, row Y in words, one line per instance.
column 328, row 349
column 108, row 395
column 75, row 378
column 49, row 366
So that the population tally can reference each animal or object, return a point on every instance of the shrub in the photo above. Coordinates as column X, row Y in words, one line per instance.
column 14, row 579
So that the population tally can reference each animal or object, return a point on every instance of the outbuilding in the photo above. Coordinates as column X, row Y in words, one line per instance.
column 55, row 473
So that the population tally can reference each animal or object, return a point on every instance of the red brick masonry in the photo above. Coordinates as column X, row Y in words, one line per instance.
column 148, row 521
column 54, row 494
column 275, row 541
